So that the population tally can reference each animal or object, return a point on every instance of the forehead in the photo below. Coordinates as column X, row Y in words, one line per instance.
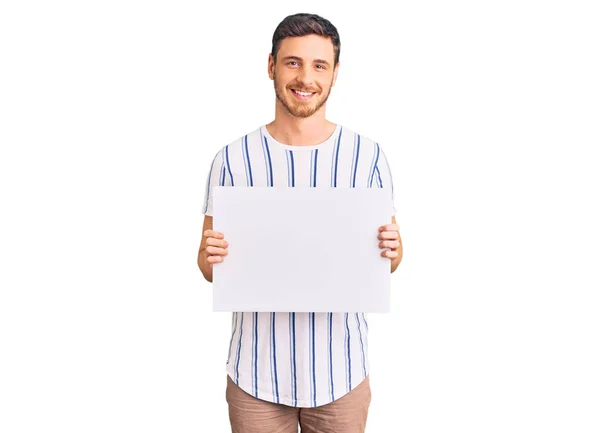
column 308, row 47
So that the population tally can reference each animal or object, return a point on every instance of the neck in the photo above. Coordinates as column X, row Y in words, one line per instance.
column 298, row 131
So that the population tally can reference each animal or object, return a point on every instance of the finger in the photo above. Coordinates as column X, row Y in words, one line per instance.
column 217, row 242
column 213, row 234
column 214, row 259
column 389, row 227
column 389, row 244
column 389, row 254
column 217, row 251
column 388, row 235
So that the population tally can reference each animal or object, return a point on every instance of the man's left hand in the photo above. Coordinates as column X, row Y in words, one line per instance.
column 389, row 235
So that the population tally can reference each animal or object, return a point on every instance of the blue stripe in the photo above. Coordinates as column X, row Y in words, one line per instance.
column 248, row 163
column 245, row 161
column 349, row 358
column 335, row 157
column 267, row 155
column 228, row 166
column 315, row 167
column 271, row 354
column 253, row 362
column 234, row 326
column 237, row 364
column 310, row 356
column 293, row 171
column 346, row 355
column 353, row 160
column 274, row 356
column 291, row 355
column 313, row 361
column 290, row 166
column 294, row 385
column 362, row 347
column 331, row 354
column 222, row 179
column 255, row 319
column 270, row 177
column 356, row 163
column 365, row 320
column 371, row 168
column 263, row 142
column 374, row 167
column 379, row 177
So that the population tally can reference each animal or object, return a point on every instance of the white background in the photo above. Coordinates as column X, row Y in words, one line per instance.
column 110, row 114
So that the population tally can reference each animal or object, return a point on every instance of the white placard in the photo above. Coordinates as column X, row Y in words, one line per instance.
column 301, row 249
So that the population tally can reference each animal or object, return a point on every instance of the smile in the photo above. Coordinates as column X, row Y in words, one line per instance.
column 303, row 96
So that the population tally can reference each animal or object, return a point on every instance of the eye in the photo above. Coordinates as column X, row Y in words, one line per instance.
column 290, row 62
column 322, row 66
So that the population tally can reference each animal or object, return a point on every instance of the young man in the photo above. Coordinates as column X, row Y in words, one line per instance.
column 307, row 368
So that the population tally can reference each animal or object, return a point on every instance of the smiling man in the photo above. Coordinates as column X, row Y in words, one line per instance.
column 312, row 369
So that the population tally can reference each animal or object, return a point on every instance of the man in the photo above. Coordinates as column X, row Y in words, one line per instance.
column 307, row 368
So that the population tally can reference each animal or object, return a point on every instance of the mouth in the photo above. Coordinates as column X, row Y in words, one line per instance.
column 302, row 96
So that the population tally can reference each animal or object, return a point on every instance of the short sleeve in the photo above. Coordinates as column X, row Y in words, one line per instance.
column 387, row 181
column 213, row 179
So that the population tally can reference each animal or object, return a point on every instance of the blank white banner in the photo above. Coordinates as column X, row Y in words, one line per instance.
column 301, row 249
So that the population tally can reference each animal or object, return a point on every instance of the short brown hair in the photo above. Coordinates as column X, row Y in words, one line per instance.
column 305, row 24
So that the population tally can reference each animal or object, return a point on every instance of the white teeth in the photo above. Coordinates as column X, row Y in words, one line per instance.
column 303, row 93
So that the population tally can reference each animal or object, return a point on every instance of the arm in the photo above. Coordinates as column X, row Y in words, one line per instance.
column 203, row 264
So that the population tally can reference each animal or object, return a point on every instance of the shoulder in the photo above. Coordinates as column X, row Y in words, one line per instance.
column 235, row 145
column 365, row 141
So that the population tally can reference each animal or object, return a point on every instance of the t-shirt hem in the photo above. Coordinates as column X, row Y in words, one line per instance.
column 262, row 395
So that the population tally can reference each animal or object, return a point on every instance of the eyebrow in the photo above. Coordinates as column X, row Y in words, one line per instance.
column 325, row 62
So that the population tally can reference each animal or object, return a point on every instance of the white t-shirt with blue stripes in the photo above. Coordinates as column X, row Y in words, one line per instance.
column 299, row 359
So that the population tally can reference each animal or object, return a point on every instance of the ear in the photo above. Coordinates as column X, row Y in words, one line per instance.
column 270, row 66
column 335, row 73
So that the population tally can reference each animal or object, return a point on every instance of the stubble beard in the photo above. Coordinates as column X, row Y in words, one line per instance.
column 296, row 108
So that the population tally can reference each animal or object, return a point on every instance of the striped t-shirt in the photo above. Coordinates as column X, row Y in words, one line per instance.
column 299, row 359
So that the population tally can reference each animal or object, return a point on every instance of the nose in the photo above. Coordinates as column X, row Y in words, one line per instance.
column 304, row 77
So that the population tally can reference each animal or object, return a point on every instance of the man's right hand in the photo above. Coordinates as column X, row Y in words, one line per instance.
column 216, row 247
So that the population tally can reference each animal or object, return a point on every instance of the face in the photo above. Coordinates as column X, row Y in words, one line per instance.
column 299, row 67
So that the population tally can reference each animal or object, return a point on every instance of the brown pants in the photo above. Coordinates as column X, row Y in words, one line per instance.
column 249, row 414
